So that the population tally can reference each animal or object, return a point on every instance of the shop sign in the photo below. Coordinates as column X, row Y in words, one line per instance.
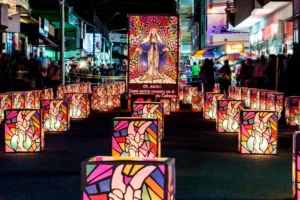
column 43, row 32
column 234, row 48
column 73, row 20
column 119, row 38
column 270, row 31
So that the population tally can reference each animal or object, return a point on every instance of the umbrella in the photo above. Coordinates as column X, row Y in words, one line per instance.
column 233, row 57
column 208, row 53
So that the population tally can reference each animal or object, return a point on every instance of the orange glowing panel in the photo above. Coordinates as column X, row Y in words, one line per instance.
column 78, row 105
column 5, row 104
column 210, row 105
column 262, row 99
column 30, row 99
column 18, row 100
column 279, row 103
column 167, row 105
column 38, row 95
column 60, row 92
column 245, row 96
column 254, row 99
column 189, row 93
column 99, row 99
column 197, row 104
column 175, row 105
column 292, row 110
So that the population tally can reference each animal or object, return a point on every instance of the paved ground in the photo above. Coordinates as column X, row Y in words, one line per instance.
column 207, row 164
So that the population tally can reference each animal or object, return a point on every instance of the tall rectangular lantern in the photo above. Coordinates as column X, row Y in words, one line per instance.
column 291, row 110
column 99, row 98
column 296, row 165
column 210, row 104
column 5, row 104
column 78, row 105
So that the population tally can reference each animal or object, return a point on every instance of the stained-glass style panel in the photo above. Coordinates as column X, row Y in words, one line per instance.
column 30, row 99
column 23, row 131
column 254, row 99
column 167, row 106
column 47, row 93
column 270, row 101
column 135, row 98
column 245, row 97
column 228, row 115
column 262, row 99
column 110, row 105
column 279, row 104
column 116, row 89
column 99, row 99
column 175, row 105
column 217, row 88
column 70, row 88
column 189, row 93
column 78, row 105
column 180, row 92
column 210, row 104
column 152, row 110
column 258, row 132
column 237, row 93
column 18, row 100
column 133, row 137
column 60, row 92
column 231, row 92
column 116, row 101
column 56, row 117
column 291, row 110
column 5, row 104
column 197, row 104
column 38, row 95
column 119, row 178
column 296, row 165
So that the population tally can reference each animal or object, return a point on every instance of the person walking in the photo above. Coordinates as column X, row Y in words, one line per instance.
column 225, row 81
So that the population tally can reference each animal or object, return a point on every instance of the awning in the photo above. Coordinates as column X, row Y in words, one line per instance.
column 48, row 42
column 28, row 20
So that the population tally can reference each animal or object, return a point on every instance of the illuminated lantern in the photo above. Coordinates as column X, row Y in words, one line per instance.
column 254, row 99
column 197, row 104
column 296, row 165
column 238, row 93
column 175, row 105
column 189, row 94
column 231, row 92
column 116, row 101
column 76, row 88
column 217, row 88
column 78, row 105
column 228, row 115
column 270, row 101
column 60, row 92
column 110, row 105
column 116, row 89
column 23, row 131
column 55, row 115
column 5, row 104
column 47, row 93
column 262, row 99
column 120, row 178
column 30, row 99
column 38, row 95
column 135, row 98
column 291, row 110
column 133, row 137
column 99, row 99
column 167, row 105
column 245, row 96
column 70, row 88
column 153, row 110
column 279, row 103
column 210, row 104
column 258, row 133
column 18, row 100
column 180, row 92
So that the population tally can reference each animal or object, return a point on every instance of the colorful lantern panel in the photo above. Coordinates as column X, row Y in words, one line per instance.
column 30, row 99
column 136, row 98
column 99, row 99
column 291, row 110
column 55, row 113
column 197, row 104
column 128, row 178
column 217, row 88
column 210, row 105
column 254, row 99
column 116, row 89
column 47, row 93
column 270, row 101
column 23, row 131
column 237, row 93
column 60, row 92
column 189, row 94
column 231, row 91
column 228, row 115
column 258, row 132
column 152, row 110
column 180, row 92
column 262, row 99
column 18, row 100
column 116, row 101
column 296, row 165
column 245, row 96
column 175, row 105
column 78, row 105
column 70, row 88
column 167, row 106
column 5, row 104
column 279, row 104
column 133, row 137
column 38, row 95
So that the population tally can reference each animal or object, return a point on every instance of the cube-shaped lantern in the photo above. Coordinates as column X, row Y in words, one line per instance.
column 153, row 110
column 228, row 115
column 258, row 133
column 167, row 105
column 135, row 98
column 60, row 93
column 197, row 104
column 210, row 105
column 119, row 178
column 245, row 96
column 254, row 99
column 216, row 88
column 279, row 103
column 99, row 98
column 23, row 130
column 116, row 89
column 55, row 115
column 38, row 95
column 133, row 137
column 270, row 101
column 296, row 165
column 70, row 88
column 262, row 99
column 180, row 92
column 116, row 101
column 5, row 104
column 30, row 99
column 189, row 93
column 231, row 92
column 47, row 93
column 78, row 105
column 238, row 93
column 291, row 110
column 175, row 105
column 18, row 100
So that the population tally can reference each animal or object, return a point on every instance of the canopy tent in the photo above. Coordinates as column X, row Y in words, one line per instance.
column 207, row 53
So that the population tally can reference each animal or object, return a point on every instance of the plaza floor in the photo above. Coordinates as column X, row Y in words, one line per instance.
column 207, row 163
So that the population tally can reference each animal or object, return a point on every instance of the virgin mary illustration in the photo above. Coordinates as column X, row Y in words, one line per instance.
column 152, row 55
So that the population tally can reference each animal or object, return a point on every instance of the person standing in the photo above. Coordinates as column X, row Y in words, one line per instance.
column 259, row 73
column 208, row 75
column 225, row 80
column 195, row 74
column 271, row 73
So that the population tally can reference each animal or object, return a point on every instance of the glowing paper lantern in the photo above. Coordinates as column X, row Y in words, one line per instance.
column 110, row 105
column 5, row 104
column 175, row 105
column 55, row 115
column 180, row 92
column 228, row 115
column 70, row 88
column 47, row 93
column 38, row 95
column 30, row 99
column 258, row 133
column 78, row 105
column 245, row 96
column 296, row 165
column 128, row 178
column 238, row 93
column 279, row 103
column 262, row 99
column 217, row 88
column 270, row 101
column 99, row 99
column 189, row 94
column 291, row 110
column 60, row 92
column 23, row 131
column 141, row 98
column 254, row 99
column 116, row 101
column 210, row 104
column 18, row 100
column 197, row 104
column 231, row 92
column 133, row 137
column 116, row 89
column 167, row 105
column 153, row 110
